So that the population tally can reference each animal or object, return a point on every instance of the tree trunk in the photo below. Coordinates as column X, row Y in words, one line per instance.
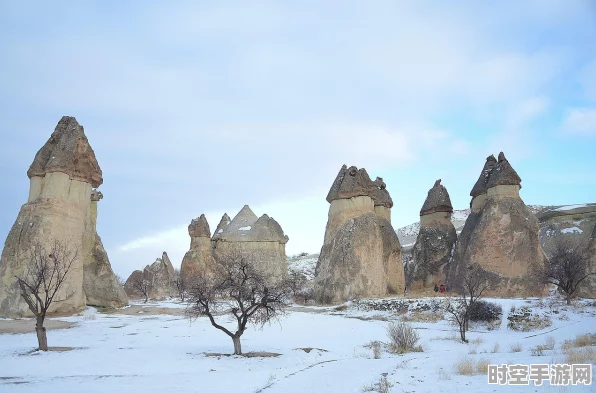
column 237, row 346
column 42, row 339
column 462, row 332
column 568, row 299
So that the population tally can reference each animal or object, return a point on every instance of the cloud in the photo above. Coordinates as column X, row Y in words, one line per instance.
column 580, row 121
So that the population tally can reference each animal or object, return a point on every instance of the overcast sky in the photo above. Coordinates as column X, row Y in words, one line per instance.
column 203, row 107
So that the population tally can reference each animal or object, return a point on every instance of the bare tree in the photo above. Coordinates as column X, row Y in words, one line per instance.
column 299, row 286
column 180, row 284
column 567, row 268
column 240, row 289
column 470, row 284
column 143, row 285
column 45, row 275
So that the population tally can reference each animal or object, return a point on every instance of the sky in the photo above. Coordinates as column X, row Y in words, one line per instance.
column 202, row 107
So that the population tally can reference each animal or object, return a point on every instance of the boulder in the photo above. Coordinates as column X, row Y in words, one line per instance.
column 361, row 254
column 500, row 234
column 61, row 178
column 435, row 242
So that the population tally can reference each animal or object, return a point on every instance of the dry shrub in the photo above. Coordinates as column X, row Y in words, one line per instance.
column 477, row 341
column 465, row 366
column 383, row 386
column 482, row 366
column 376, row 348
column 581, row 340
column 403, row 338
column 472, row 351
column 549, row 343
column 585, row 355
column 517, row 347
column 496, row 348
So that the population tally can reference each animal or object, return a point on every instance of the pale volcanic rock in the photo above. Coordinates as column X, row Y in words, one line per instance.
column 100, row 284
column 223, row 223
column 262, row 239
column 435, row 242
column 58, row 209
column 162, row 277
column 500, row 235
column 198, row 260
column 361, row 254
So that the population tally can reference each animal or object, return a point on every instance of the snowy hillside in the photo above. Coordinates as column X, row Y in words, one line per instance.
column 305, row 264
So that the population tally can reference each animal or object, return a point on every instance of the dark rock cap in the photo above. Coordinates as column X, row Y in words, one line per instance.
column 381, row 195
column 199, row 227
column 67, row 151
column 480, row 186
column 437, row 200
column 503, row 174
column 351, row 182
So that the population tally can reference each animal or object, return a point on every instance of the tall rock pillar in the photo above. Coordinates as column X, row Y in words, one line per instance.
column 361, row 254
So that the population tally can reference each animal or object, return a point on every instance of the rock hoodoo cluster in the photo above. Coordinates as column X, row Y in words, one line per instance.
column 260, row 237
column 435, row 242
column 61, row 207
column 361, row 254
column 500, row 234
column 159, row 276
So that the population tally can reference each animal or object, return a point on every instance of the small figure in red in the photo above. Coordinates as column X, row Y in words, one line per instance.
column 442, row 288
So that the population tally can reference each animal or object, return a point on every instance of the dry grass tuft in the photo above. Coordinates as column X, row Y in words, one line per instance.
column 517, row 347
column 495, row 348
column 585, row 355
column 465, row 366
column 582, row 340
column 482, row 366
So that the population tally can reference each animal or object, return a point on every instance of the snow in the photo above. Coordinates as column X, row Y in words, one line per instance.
column 569, row 207
column 244, row 228
column 167, row 353
column 571, row 230
column 220, row 231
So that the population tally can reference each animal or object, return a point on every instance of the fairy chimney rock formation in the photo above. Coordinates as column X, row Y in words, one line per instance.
column 198, row 259
column 260, row 238
column 160, row 276
column 500, row 234
column 100, row 284
column 59, row 208
column 361, row 254
column 435, row 241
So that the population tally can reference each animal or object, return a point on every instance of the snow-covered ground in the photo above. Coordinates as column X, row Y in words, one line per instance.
column 168, row 353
